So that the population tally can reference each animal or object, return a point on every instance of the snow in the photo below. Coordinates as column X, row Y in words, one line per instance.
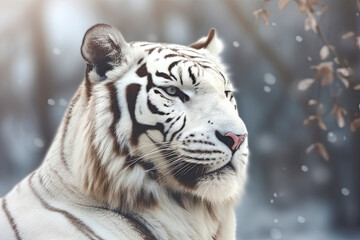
column 267, row 89
column 299, row 38
column 331, row 137
column 301, row 219
column 269, row 79
column 51, row 102
column 345, row 191
column 304, row 168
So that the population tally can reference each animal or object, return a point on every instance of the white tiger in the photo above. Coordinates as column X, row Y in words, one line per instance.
column 151, row 147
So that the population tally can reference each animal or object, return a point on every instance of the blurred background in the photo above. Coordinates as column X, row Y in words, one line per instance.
column 290, row 194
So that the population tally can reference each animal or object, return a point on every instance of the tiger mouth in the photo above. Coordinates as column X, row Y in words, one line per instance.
column 218, row 171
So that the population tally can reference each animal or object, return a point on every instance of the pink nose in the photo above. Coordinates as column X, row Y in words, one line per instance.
column 238, row 139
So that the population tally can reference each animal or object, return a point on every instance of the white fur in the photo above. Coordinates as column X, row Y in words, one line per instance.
column 84, row 176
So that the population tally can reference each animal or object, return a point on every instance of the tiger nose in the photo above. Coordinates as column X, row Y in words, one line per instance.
column 232, row 140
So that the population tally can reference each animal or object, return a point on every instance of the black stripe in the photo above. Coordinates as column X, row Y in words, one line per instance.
column 163, row 75
column 161, row 95
column 153, row 108
column 192, row 76
column 139, row 227
column 182, row 127
column 10, row 219
column 150, row 50
column 132, row 92
column 173, row 64
column 142, row 71
column 76, row 222
column 140, row 60
column 115, row 109
column 171, row 55
column 172, row 124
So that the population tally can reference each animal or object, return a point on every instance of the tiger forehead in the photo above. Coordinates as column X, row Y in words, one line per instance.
column 185, row 60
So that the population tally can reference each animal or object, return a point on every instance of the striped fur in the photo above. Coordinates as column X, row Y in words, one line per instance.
column 137, row 155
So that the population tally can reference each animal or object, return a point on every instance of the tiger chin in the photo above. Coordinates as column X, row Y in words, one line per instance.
column 150, row 147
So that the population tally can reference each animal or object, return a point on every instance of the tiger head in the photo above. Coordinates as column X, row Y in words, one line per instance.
column 159, row 118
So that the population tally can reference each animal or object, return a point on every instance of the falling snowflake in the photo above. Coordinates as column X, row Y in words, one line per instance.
column 51, row 102
column 271, row 201
column 345, row 191
column 267, row 89
column 301, row 219
column 309, row 59
column 236, row 44
column 298, row 38
column 331, row 137
column 276, row 220
column 304, row 168
column 269, row 79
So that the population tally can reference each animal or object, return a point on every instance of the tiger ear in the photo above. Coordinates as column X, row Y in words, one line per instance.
column 212, row 43
column 103, row 48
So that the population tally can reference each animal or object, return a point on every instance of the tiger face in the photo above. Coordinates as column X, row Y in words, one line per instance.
column 179, row 119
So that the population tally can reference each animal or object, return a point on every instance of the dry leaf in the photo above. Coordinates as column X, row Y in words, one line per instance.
column 355, row 124
column 305, row 84
column 310, row 148
column 358, row 42
column 325, row 72
column 344, row 74
column 316, row 118
column 306, row 5
column 312, row 102
column 358, row 4
column 348, row 35
column 310, row 120
column 339, row 114
column 282, row 4
column 320, row 149
column 321, row 124
column 310, row 23
column 324, row 52
column 264, row 14
column 357, row 87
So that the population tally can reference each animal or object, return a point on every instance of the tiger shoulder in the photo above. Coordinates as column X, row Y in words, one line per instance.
column 150, row 147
